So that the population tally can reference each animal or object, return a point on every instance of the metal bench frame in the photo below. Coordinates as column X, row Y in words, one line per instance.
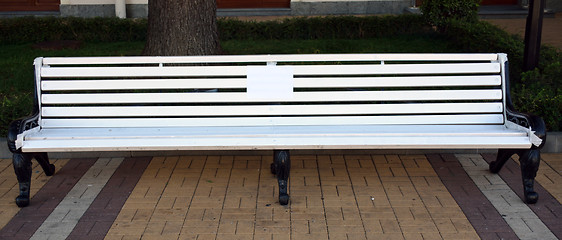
column 275, row 102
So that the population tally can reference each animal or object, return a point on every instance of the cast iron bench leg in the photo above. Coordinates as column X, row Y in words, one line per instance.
column 529, row 160
column 22, row 168
column 281, row 166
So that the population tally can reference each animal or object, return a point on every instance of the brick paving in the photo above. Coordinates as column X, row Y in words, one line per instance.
column 27, row 220
column 486, row 220
column 359, row 196
column 549, row 174
column 525, row 223
column 9, row 187
column 548, row 207
column 101, row 214
column 79, row 199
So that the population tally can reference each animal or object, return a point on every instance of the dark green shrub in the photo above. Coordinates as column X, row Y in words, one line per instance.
column 38, row 29
column 13, row 106
column 540, row 93
column 483, row 37
column 439, row 12
column 341, row 27
column 33, row 29
column 536, row 91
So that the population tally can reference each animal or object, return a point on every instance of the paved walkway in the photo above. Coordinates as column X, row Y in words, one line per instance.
column 551, row 33
column 362, row 196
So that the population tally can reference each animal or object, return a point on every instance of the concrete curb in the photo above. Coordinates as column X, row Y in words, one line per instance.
column 553, row 145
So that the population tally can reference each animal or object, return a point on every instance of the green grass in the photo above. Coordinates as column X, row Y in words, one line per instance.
column 16, row 69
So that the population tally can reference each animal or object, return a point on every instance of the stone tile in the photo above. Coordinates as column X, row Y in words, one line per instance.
column 350, row 196
column 507, row 203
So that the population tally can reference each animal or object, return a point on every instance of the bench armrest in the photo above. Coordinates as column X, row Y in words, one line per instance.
column 21, row 125
column 17, row 127
column 527, row 120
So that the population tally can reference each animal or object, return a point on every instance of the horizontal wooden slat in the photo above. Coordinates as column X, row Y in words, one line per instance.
column 271, row 110
column 129, row 84
column 415, row 130
column 422, row 95
column 398, row 69
column 274, row 121
column 299, row 70
column 271, row 58
column 424, row 81
column 291, row 137
column 277, row 143
column 143, row 71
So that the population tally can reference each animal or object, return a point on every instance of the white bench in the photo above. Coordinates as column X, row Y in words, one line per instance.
column 275, row 102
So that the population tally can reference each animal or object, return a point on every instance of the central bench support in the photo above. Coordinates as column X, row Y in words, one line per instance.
column 281, row 167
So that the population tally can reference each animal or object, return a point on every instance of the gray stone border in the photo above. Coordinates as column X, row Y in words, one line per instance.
column 297, row 9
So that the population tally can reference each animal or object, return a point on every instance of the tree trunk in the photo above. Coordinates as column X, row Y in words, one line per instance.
column 182, row 27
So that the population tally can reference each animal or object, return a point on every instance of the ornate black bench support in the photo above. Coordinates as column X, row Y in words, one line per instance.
column 281, row 166
column 22, row 161
column 528, row 158
column 22, row 168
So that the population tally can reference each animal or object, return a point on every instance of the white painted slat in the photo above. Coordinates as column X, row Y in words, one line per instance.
column 143, row 71
column 272, row 58
column 233, row 97
column 271, row 110
column 278, row 131
column 269, row 143
column 274, row 121
column 37, row 64
column 425, row 81
column 129, row 84
column 398, row 69
column 304, row 70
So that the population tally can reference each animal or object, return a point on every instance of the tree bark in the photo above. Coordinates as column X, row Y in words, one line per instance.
column 182, row 27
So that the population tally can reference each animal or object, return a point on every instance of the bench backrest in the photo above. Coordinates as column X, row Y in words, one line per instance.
column 267, row 90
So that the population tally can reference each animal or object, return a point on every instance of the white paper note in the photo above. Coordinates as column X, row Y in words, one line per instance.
column 270, row 82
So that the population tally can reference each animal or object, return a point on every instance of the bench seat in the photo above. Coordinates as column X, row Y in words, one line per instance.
column 277, row 137
column 275, row 102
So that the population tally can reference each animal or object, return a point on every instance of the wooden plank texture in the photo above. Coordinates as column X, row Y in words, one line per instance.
column 272, row 58
column 318, row 82
column 233, row 97
column 457, row 119
column 299, row 70
column 273, row 110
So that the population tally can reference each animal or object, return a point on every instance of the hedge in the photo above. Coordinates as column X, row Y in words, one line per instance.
column 34, row 29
